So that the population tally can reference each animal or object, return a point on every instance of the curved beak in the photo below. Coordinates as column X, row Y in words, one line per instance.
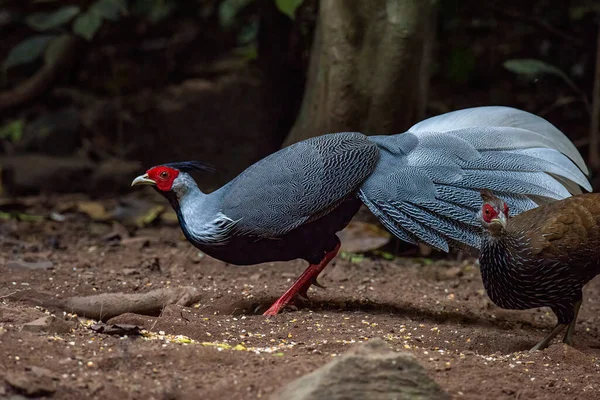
column 500, row 220
column 143, row 180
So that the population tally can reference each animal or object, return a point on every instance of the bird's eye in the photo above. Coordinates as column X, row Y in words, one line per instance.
column 164, row 175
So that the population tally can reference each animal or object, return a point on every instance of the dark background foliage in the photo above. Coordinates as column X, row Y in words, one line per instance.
column 94, row 91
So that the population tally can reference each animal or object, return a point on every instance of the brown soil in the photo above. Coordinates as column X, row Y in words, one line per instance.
column 434, row 310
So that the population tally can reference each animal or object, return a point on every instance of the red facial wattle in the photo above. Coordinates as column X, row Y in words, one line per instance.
column 488, row 213
column 163, row 176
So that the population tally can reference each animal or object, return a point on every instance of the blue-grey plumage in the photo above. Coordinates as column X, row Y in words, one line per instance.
column 299, row 183
column 518, row 155
column 423, row 186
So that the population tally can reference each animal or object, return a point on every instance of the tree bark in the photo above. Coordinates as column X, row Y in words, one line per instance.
column 369, row 67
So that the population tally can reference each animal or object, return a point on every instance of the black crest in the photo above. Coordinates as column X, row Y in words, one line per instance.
column 189, row 166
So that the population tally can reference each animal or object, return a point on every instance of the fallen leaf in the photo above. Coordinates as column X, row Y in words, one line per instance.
column 136, row 212
column 384, row 254
column 29, row 217
column 169, row 217
column 94, row 210
column 361, row 237
column 150, row 216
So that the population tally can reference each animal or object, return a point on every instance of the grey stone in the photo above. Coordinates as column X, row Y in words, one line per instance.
column 370, row 371
column 50, row 324
column 18, row 264
column 32, row 383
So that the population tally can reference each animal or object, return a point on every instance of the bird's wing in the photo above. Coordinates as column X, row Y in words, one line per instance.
column 299, row 183
column 567, row 232
column 426, row 184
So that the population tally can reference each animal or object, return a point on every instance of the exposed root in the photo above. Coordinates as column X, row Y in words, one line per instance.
column 108, row 305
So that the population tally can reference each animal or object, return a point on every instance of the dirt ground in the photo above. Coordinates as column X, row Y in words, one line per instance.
column 436, row 310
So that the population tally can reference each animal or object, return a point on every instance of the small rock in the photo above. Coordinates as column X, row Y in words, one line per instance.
column 339, row 273
column 153, row 265
column 50, row 324
column 129, row 271
column 31, row 383
column 95, row 387
column 18, row 264
column 368, row 371
column 453, row 272
column 129, row 319
column 255, row 277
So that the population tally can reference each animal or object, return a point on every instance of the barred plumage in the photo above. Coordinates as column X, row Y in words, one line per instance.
column 542, row 257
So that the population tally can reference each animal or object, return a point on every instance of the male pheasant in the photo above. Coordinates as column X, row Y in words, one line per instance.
column 423, row 185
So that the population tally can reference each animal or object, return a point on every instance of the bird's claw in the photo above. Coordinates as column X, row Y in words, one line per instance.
column 319, row 285
column 303, row 294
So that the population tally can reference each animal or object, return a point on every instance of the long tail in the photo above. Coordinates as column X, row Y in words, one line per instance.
column 425, row 187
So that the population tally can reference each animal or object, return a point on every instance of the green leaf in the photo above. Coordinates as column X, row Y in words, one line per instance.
column 55, row 49
column 12, row 131
column 249, row 52
column 86, row 25
column 248, row 33
column 581, row 8
column 44, row 21
column 29, row 217
column 288, row 7
column 384, row 254
column 154, row 10
column 109, row 9
column 229, row 9
column 532, row 68
column 27, row 51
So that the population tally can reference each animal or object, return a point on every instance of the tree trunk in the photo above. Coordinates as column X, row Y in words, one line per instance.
column 369, row 67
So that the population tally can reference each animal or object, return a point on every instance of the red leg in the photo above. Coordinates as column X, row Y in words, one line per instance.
column 303, row 283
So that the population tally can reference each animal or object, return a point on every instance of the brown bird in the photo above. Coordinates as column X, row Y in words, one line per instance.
column 542, row 257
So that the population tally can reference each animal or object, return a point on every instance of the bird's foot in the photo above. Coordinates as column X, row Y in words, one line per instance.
column 542, row 344
column 302, row 284
column 568, row 339
column 299, row 288
column 303, row 291
column 276, row 308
